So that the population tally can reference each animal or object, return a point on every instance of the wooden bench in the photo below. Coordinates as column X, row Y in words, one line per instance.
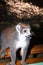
column 36, row 49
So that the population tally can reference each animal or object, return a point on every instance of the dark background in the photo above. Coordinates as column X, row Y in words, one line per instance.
column 6, row 21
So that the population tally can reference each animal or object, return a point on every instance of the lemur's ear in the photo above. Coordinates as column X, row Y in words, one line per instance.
column 18, row 27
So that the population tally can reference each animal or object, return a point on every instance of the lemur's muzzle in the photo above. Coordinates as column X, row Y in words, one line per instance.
column 29, row 36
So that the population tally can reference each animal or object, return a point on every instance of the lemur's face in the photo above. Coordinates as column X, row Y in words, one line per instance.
column 26, row 32
column 23, row 30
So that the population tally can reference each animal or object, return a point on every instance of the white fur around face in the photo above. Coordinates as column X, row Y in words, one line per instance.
column 22, row 36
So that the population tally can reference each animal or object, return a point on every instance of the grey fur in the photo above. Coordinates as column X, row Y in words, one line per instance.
column 10, row 38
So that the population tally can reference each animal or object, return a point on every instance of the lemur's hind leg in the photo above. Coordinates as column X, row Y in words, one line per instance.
column 13, row 56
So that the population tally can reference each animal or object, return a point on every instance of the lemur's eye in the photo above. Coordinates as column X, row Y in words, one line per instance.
column 24, row 30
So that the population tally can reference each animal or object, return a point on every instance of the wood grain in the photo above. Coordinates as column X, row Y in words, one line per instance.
column 34, row 50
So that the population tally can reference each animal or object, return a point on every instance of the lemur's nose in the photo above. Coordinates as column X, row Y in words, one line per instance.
column 29, row 36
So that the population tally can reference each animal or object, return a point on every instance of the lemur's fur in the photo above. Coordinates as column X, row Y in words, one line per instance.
column 16, row 37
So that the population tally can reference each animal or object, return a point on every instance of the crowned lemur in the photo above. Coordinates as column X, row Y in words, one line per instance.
column 16, row 37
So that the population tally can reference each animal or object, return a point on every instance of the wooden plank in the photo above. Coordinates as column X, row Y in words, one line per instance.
column 37, row 49
column 34, row 50
column 29, row 61
column 34, row 60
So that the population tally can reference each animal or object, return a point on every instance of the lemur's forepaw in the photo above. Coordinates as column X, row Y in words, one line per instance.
column 23, row 63
column 11, row 63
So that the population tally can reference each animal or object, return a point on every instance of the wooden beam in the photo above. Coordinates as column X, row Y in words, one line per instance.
column 29, row 61
column 36, row 49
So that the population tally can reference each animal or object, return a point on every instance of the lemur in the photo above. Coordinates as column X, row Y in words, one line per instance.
column 16, row 37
